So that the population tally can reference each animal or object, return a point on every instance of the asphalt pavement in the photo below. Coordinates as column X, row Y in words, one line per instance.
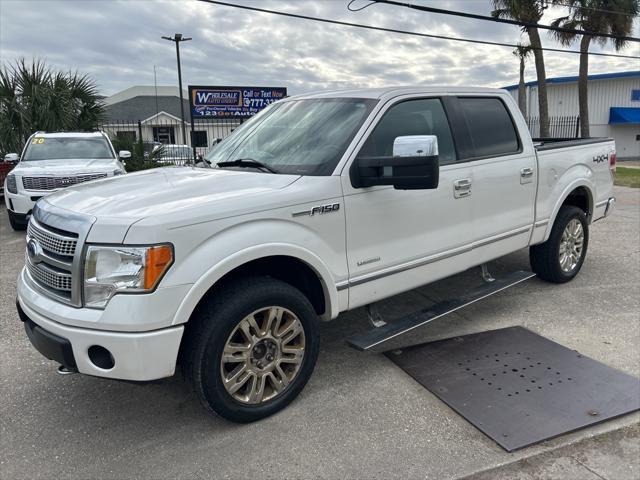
column 360, row 416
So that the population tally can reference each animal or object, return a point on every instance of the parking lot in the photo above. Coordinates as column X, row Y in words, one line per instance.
column 360, row 416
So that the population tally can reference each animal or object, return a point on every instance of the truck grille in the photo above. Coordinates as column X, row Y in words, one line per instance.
column 59, row 281
column 52, row 183
column 50, row 259
column 55, row 243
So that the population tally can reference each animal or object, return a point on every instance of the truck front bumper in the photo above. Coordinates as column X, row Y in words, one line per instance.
column 125, row 356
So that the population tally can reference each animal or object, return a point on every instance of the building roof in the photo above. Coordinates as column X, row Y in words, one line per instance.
column 144, row 91
column 597, row 76
column 142, row 108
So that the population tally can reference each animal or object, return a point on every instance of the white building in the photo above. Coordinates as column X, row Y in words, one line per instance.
column 152, row 114
column 614, row 107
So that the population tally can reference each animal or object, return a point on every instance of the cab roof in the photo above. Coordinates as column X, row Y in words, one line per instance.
column 69, row 134
column 390, row 92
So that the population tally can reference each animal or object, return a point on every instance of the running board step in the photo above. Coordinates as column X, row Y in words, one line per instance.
column 376, row 336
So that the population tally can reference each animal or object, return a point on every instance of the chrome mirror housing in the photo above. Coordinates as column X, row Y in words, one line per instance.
column 415, row 146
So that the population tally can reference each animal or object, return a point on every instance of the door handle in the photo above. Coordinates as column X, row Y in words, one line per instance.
column 526, row 175
column 462, row 184
column 462, row 188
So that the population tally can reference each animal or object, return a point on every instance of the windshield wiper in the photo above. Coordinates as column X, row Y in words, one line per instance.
column 247, row 163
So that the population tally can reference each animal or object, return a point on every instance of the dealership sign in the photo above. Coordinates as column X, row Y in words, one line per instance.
column 231, row 101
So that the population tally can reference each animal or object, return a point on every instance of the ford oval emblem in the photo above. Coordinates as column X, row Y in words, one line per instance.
column 33, row 251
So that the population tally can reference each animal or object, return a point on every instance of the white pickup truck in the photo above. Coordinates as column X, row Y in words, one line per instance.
column 320, row 204
column 51, row 161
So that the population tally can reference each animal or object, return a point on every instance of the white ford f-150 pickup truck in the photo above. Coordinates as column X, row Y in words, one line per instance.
column 320, row 204
column 51, row 161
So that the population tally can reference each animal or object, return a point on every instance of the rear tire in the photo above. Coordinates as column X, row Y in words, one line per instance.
column 268, row 333
column 560, row 258
column 17, row 222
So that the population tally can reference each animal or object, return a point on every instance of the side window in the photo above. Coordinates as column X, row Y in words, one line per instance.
column 490, row 126
column 413, row 117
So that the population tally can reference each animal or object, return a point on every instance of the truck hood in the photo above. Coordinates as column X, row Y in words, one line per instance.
column 65, row 167
column 169, row 190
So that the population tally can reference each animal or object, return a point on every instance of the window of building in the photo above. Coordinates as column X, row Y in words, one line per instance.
column 490, row 126
column 635, row 95
column 200, row 138
column 413, row 117
column 164, row 135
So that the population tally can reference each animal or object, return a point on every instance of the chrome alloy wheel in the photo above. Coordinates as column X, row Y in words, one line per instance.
column 571, row 244
column 263, row 355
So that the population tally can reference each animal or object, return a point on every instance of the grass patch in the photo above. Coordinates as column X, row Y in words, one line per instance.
column 628, row 177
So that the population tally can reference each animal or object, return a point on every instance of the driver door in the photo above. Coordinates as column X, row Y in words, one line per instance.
column 400, row 239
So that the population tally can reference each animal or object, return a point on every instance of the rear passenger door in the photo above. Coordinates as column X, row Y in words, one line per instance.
column 504, row 176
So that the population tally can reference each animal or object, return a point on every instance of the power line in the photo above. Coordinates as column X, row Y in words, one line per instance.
column 595, row 9
column 359, row 9
column 519, row 23
column 403, row 32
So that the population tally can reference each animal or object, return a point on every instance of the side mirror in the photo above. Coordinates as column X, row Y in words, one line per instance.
column 124, row 154
column 413, row 166
column 415, row 146
column 11, row 158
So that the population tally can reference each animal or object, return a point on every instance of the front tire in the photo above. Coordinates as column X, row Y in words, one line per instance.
column 252, row 348
column 560, row 258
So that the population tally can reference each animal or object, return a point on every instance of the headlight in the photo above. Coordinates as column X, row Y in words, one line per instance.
column 110, row 270
column 12, row 186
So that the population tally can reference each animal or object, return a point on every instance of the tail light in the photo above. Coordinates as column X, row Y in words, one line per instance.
column 612, row 162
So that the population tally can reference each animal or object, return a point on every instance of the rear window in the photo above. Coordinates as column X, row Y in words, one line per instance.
column 47, row 148
column 490, row 126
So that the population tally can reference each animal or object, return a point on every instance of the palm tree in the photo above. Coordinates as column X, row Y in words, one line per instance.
column 602, row 16
column 529, row 11
column 35, row 97
column 522, row 52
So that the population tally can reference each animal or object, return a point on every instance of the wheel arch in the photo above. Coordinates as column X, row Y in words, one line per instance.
column 579, row 194
column 292, row 264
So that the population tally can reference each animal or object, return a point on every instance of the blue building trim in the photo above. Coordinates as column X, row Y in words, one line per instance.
column 598, row 76
column 624, row 115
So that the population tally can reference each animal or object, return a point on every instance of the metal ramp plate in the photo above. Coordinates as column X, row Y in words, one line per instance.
column 517, row 387
column 377, row 336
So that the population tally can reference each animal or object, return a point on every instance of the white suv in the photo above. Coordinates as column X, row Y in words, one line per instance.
column 51, row 161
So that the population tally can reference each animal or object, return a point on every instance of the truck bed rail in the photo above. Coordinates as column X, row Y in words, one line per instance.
column 554, row 143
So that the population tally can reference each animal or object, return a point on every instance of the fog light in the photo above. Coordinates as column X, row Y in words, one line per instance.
column 101, row 357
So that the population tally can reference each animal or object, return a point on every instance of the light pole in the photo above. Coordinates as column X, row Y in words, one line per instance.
column 177, row 38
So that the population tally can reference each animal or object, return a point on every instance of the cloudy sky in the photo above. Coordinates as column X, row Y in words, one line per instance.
column 118, row 43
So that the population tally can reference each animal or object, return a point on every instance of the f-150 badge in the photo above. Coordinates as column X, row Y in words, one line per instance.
column 319, row 210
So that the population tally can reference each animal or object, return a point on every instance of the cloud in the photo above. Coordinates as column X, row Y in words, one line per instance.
column 118, row 43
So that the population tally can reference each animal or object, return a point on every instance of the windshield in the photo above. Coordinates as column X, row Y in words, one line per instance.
column 47, row 148
column 302, row 137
